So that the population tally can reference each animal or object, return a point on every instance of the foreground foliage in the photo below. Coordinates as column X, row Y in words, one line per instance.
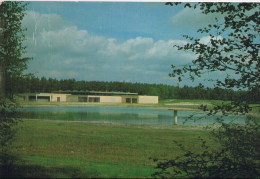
column 12, row 49
column 8, row 119
column 12, row 64
column 238, row 156
column 232, row 48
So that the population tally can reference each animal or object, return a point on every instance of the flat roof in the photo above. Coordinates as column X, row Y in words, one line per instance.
column 95, row 92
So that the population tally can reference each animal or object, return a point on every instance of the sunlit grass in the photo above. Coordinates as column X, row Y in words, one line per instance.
column 99, row 150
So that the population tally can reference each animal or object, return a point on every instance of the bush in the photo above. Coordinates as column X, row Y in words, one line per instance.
column 237, row 157
column 8, row 119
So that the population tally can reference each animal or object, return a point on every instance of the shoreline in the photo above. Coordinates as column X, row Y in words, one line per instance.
column 181, row 106
column 127, row 125
column 177, row 106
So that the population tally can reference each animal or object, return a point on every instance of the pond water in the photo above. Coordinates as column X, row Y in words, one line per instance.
column 128, row 115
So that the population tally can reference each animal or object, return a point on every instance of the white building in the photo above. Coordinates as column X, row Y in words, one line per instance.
column 92, row 97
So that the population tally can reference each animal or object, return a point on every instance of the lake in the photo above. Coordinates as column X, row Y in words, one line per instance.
column 116, row 114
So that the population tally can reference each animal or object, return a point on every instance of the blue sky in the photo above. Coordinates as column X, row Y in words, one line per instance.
column 121, row 20
column 112, row 41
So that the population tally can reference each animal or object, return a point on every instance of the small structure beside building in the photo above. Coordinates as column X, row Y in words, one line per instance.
column 91, row 97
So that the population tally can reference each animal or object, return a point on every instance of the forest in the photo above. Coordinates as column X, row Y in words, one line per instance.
column 33, row 84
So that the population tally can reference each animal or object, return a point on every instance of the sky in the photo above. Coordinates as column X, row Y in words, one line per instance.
column 109, row 41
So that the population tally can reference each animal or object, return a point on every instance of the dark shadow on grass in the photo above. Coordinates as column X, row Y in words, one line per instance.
column 34, row 171
column 12, row 166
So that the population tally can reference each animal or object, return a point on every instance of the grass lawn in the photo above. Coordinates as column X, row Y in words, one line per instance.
column 73, row 149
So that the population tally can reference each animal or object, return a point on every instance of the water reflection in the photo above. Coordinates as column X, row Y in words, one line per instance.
column 131, row 115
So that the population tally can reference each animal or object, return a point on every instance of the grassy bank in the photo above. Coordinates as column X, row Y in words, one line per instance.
column 71, row 149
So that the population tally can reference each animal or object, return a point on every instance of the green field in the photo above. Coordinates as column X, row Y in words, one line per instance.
column 73, row 149
column 51, row 149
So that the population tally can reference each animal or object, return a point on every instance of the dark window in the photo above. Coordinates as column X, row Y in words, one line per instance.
column 128, row 100
column 32, row 98
column 134, row 100
column 83, row 99
column 94, row 99
column 43, row 98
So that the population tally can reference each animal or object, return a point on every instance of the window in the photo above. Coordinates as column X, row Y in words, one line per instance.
column 32, row 98
column 134, row 100
column 43, row 98
column 83, row 99
column 131, row 100
column 94, row 99
column 128, row 100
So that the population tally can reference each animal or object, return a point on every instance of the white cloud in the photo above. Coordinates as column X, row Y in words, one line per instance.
column 207, row 39
column 61, row 50
column 193, row 18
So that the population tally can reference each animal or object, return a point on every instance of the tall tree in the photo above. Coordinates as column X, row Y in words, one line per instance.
column 12, row 65
column 12, row 62
column 233, row 47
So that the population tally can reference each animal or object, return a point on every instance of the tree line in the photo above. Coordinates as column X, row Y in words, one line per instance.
column 34, row 84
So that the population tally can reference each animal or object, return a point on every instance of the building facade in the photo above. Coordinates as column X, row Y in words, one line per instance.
column 91, row 97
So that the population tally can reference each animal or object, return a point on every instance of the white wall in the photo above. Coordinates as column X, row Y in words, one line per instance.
column 110, row 99
column 148, row 99
column 63, row 97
